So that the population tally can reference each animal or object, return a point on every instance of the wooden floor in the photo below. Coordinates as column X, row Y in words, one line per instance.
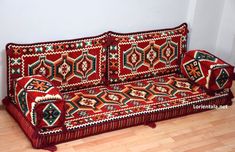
column 211, row 131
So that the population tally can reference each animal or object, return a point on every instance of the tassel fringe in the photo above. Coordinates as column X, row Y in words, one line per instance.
column 151, row 124
column 52, row 148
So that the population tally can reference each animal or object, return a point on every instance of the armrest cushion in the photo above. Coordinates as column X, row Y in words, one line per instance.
column 39, row 101
column 207, row 70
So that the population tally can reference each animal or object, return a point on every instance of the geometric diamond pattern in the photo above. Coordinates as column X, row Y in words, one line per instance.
column 43, row 67
column 51, row 114
column 85, row 65
column 151, row 54
column 38, row 85
column 133, row 58
column 23, row 102
column 222, row 78
column 138, row 93
column 64, row 68
column 87, row 102
column 193, row 70
column 168, row 52
column 113, row 97
column 162, row 89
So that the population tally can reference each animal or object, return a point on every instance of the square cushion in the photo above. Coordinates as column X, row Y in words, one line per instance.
column 140, row 55
column 68, row 64
column 207, row 70
column 39, row 101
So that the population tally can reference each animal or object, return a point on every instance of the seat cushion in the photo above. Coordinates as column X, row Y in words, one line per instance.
column 101, row 109
column 117, row 101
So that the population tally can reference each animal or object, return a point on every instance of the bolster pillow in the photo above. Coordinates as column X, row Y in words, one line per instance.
column 207, row 70
column 39, row 101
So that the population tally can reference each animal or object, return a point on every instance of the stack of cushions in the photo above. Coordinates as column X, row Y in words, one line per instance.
column 207, row 70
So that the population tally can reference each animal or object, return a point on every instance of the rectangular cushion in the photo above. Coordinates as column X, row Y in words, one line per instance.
column 69, row 64
column 139, row 55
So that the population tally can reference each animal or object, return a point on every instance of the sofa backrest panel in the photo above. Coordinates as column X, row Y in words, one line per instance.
column 139, row 55
column 71, row 64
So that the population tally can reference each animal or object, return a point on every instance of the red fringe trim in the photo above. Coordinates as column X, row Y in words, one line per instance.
column 151, row 124
column 41, row 141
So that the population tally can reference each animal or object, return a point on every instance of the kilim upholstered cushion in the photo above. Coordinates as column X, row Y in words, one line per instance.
column 39, row 101
column 69, row 65
column 207, row 70
column 139, row 55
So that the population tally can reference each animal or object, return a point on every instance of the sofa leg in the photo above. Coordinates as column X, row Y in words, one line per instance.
column 51, row 148
column 151, row 124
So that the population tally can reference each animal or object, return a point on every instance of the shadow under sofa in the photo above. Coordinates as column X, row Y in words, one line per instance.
column 66, row 90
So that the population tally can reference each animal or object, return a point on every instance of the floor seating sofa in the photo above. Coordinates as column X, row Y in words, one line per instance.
column 65, row 90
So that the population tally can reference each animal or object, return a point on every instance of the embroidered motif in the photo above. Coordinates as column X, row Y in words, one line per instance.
column 38, row 85
column 133, row 58
column 23, row 103
column 64, row 68
column 15, row 71
column 51, row 114
column 222, row 78
column 151, row 54
column 15, row 61
column 113, row 97
column 42, row 66
column 168, row 52
column 85, row 65
column 38, row 49
column 87, row 102
column 49, row 48
column 193, row 69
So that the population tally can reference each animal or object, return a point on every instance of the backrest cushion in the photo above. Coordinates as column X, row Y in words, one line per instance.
column 139, row 55
column 69, row 65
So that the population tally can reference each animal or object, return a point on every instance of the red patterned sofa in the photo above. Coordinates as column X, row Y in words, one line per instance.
column 65, row 90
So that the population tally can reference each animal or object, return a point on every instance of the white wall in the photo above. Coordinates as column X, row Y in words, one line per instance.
column 204, row 18
column 212, row 27
column 225, row 44
column 25, row 21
